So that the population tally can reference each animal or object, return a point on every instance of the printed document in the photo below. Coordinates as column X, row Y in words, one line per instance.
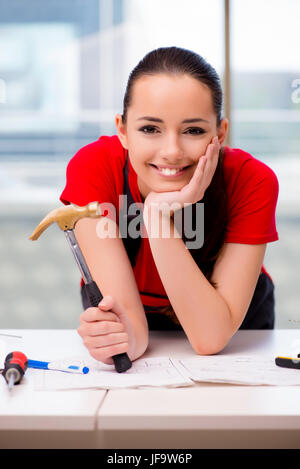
column 170, row 372
column 143, row 373
column 248, row 370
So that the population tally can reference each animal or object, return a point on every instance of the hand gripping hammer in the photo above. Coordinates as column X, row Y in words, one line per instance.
column 66, row 218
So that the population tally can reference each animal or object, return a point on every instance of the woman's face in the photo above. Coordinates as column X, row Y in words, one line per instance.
column 170, row 123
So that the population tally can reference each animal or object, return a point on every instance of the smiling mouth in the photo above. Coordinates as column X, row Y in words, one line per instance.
column 170, row 171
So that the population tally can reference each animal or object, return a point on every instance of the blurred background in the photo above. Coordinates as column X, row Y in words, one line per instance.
column 64, row 65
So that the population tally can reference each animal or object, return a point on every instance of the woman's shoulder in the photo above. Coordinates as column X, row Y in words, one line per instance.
column 107, row 149
column 95, row 172
column 252, row 189
column 240, row 165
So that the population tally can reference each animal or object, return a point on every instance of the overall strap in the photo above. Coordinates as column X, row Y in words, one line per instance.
column 126, row 187
column 132, row 245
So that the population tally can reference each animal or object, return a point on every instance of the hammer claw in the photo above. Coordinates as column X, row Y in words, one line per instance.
column 66, row 217
column 43, row 225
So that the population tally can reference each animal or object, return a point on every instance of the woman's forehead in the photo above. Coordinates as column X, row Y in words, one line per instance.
column 170, row 93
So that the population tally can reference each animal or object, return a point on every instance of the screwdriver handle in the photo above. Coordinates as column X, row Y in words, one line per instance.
column 122, row 361
column 15, row 363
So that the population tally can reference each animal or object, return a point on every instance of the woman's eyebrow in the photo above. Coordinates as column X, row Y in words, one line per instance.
column 186, row 121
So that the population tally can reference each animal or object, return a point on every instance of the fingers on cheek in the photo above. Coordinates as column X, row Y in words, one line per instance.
column 212, row 155
column 213, row 151
column 104, row 354
column 201, row 167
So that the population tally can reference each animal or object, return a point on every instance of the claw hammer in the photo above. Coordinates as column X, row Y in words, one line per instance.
column 66, row 218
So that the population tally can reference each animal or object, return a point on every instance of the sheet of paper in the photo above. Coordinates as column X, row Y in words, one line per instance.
column 143, row 373
column 248, row 370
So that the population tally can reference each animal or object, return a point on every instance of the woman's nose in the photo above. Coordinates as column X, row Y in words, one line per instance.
column 172, row 150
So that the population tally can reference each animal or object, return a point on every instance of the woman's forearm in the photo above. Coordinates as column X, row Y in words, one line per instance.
column 201, row 310
column 140, row 341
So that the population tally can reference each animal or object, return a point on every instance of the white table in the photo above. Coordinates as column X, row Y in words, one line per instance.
column 41, row 419
column 205, row 416
column 208, row 415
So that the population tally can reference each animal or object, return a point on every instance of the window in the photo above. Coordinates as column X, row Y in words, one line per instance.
column 265, row 118
column 64, row 66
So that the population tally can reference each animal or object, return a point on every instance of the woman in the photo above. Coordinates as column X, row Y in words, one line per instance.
column 172, row 118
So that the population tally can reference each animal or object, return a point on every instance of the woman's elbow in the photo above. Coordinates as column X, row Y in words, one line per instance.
column 212, row 348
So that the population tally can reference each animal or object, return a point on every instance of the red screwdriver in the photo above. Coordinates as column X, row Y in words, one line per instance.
column 15, row 365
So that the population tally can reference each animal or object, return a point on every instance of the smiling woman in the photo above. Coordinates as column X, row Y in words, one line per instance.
column 168, row 152
column 175, row 89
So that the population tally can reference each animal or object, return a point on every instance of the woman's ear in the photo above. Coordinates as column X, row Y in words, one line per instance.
column 122, row 131
column 222, row 130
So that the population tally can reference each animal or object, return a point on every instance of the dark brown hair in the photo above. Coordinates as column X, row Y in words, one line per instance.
column 178, row 61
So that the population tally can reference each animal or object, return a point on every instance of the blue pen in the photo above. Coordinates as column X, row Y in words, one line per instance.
column 53, row 366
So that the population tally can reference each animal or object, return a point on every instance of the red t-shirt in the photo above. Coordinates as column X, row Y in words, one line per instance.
column 95, row 173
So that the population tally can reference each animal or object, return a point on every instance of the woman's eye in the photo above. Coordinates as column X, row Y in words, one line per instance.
column 196, row 131
column 147, row 129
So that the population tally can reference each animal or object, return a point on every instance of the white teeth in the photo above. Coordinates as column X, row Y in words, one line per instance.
column 169, row 171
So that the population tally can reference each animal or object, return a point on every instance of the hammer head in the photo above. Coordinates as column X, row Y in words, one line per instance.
column 66, row 217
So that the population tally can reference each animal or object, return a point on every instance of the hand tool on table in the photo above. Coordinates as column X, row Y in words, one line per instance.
column 57, row 366
column 15, row 365
column 66, row 217
column 288, row 362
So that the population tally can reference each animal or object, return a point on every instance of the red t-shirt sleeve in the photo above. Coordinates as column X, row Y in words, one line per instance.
column 90, row 177
column 252, row 204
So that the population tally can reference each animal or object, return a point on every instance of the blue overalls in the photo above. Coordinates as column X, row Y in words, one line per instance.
column 260, row 314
